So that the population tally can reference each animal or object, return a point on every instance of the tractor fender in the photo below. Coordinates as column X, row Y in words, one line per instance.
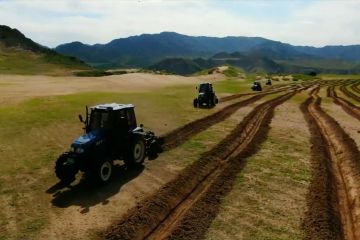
column 138, row 129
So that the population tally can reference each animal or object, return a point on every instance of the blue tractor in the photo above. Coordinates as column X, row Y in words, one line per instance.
column 111, row 133
column 256, row 86
column 206, row 96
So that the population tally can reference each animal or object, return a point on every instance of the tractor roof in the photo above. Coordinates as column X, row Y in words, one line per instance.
column 112, row 106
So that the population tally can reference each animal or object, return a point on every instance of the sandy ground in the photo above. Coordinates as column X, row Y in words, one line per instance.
column 17, row 87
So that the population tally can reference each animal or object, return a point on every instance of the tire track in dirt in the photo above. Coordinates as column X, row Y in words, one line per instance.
column 355, row 87
column 322, row 219
column 349, row 93
column 344, row 167
column 348, row 107
column 209, row 178
column 180, row 135
column 274, row 89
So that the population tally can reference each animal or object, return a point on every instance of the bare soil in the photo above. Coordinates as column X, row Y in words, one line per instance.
column 355, row 87
column 142, row 220
column 346, row 105
column 344, row 160
column 322, row 219
column 349, row 93
column 182, row 134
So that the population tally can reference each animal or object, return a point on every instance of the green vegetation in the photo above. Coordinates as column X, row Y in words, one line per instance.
column 15, row 61
column 233, row 71
column 321, row 63
column 206, row 71
column 20, row 55
column 303, row 77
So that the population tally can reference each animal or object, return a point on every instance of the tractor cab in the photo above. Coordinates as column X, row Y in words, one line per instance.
column 111, row 117
column 268, row 82
column 206, row 96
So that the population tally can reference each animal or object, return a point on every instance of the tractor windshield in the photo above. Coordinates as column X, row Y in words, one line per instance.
column 99, row 119
column 204, row 88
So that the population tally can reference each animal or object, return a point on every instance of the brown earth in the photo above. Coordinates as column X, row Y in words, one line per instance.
column 349, row 93
column 180, row 135
column 140, row 221
column 322, row 220
column 355, row 87
column 344, row 160
column 348, row 107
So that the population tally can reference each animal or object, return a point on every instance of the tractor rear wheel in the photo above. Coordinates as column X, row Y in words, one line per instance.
column 65, row 168
column 136, row 152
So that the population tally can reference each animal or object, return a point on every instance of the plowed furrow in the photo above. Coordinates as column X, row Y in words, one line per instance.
column 355, row 88
column 349, row 93
column 182, row 134
column 348, row 107
column 344, row 161
column 239, row 95
column 322, row 220
column 159, row 216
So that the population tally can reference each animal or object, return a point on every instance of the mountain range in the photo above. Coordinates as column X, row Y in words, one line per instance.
column 174, row 53
column 149, row 49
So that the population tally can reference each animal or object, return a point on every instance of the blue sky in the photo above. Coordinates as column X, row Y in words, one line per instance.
column 315, row 23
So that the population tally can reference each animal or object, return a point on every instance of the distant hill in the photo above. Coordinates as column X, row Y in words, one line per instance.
column 21, row 55
column 254, row 63
column 147, row 49
column 182, row 66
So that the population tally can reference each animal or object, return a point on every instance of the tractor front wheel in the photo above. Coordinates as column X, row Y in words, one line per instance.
column 136, row 152
column 65, row 168
column 104, row 171
column 195, row 103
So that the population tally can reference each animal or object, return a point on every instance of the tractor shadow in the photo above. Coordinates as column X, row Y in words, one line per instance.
column 205, row 107
column 87, row 193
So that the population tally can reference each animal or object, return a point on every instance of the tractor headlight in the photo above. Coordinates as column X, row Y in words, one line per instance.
column 79, row 150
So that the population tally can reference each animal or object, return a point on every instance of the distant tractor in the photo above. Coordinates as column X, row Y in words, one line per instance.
column 206, row 96
column 268, row 82
column 111, row 133
column 256, row 86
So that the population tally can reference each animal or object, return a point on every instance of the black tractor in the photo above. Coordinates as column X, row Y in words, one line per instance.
column 268, row 82
column 256, row 86
column 111, row 133
column 206, row 96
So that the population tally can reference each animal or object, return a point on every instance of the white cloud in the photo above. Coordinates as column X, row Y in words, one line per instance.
column 54, row 22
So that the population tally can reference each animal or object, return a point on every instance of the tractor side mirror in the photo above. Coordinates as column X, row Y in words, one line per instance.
column 81, row 118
